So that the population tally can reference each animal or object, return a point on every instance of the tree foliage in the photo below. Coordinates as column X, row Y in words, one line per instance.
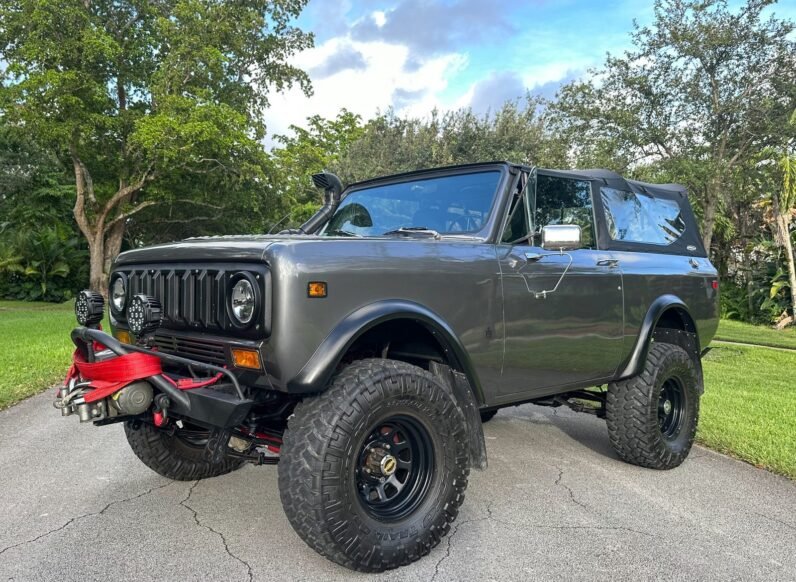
column 390, row 143
column 318, row 146
column 139, row 93
column 704, row 88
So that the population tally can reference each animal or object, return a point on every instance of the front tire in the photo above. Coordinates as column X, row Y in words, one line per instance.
column 652, row 418
column 372, row 472
column 177, row 454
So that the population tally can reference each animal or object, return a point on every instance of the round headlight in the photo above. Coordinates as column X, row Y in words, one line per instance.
column 242, row 301
column 118, row 294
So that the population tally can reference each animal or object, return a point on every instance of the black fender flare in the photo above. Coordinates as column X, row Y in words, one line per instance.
column 458, row 375
column 635, row 362
column 318, row 370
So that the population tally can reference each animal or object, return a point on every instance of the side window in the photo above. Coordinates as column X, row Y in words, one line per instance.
column 635, row 217
column 564, row 201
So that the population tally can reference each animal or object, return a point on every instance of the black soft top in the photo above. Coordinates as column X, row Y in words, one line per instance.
column 690, row 243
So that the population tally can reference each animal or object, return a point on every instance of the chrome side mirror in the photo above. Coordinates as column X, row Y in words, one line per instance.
column 561, row 236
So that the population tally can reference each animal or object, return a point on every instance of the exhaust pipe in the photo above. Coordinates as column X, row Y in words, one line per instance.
column 332, row 188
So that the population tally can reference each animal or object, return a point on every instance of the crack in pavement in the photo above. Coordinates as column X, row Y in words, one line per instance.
column 775, row 520
column 560, row 482
column 490, row 517
column 599, row 527
column 184, row 503
column 452, row 534
column 72, row 520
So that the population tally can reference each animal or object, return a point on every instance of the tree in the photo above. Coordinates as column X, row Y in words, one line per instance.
column 703, row 84
column 131, row 92
column 307, row 151
column 515, row 132
column 35, row 188
column 784, row 206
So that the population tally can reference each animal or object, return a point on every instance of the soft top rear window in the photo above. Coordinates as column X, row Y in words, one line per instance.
column 640, row 218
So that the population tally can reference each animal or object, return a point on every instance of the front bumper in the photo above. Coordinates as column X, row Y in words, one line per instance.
column 220, row 404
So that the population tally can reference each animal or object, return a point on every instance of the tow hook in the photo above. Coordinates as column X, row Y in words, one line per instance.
column 161, row 414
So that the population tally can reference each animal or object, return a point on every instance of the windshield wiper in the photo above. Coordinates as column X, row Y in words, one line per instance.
column 409, row 230
column 340, row 232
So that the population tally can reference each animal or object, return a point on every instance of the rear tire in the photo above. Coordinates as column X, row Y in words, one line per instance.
column 173, row 455
column 652, row 418
column 338, row 480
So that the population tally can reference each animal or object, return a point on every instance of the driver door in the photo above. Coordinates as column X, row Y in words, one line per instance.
column 571, row 336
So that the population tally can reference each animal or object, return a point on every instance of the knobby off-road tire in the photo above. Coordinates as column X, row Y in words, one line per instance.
column 488, row 415
column 645, row 430
column 328, row 496
column 173, row 456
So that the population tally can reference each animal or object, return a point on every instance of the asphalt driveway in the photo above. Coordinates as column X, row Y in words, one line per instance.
column 555, row 503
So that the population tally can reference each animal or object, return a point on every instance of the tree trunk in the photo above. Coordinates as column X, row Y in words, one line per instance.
column 96, row 278
column 103, row 230
column 709, row 220
column 784, row 234
column 113, row 244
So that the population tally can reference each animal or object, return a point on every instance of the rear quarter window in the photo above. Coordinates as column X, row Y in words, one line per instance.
column 639, row 218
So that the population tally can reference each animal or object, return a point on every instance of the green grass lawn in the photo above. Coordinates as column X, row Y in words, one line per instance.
column 749, row 406
column 35, row 350
column 736, row 331
column 748, row 411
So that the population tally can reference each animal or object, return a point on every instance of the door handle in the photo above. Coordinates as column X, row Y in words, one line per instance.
column 608, row 263
column 533, row 257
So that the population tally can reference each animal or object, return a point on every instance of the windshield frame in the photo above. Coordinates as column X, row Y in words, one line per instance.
column 494, row 209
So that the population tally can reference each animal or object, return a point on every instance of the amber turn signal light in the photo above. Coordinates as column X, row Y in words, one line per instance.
column 123, row 336
column 246, row 358
column 316, row 289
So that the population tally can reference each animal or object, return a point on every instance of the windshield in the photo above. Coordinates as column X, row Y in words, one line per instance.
column 446, row 204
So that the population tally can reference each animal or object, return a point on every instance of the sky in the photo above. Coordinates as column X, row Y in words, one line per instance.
column 415, row 55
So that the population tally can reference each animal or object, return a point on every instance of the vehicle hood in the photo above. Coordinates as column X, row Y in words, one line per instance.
column 248, row 248
column 215, row 248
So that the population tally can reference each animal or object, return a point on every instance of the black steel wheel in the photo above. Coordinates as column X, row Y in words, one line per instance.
column 652, row 418
column 372, row 472
column 395, row 468
column 671, row 408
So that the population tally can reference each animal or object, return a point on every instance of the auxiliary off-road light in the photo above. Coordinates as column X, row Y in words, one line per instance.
column 89, row 308
column 246, row 358
column 144, row 315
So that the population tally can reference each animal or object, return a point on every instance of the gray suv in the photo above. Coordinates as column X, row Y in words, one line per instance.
column 362, row 351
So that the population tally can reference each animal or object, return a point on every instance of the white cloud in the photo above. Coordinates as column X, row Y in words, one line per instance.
column 383, row 81
column 543, row 74
column 379, row 17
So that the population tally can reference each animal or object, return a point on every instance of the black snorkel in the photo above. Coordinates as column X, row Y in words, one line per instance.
column 332, row 188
